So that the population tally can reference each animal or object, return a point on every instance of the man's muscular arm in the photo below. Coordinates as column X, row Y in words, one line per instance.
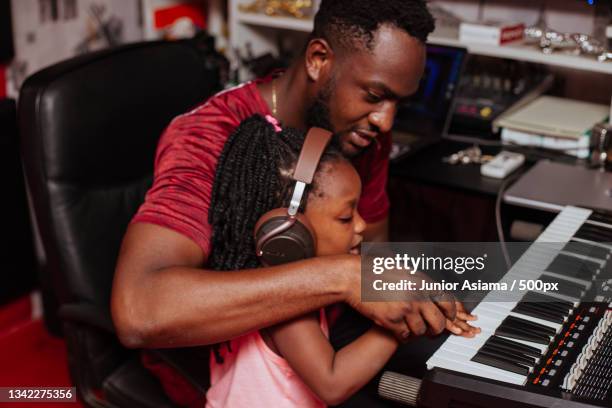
column 162, row 298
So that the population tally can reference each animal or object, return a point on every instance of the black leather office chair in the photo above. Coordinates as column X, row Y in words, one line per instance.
column 89, row 127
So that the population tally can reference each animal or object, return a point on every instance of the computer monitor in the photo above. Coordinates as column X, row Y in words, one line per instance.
column 425, row 116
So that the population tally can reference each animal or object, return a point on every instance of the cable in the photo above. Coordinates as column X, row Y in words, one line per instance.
column 498, row 219
column 535, row 150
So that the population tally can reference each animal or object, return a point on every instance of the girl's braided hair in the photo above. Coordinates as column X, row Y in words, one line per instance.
column 253, row 177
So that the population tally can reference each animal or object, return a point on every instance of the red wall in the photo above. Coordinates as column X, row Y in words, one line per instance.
column 3, row 69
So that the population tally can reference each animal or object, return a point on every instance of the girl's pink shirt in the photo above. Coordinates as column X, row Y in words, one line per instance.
column 252, row 375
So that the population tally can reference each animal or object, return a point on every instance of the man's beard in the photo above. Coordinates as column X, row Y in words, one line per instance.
column 318, row 114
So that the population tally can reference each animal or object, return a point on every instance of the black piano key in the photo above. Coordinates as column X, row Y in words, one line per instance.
column 524, row 308
column 519, row 334
column 535, row 297
column 548, row 308
column 593, row 234
column 529, row 325
column 512, row 355
column 601, row 216
column 607, row 270
column 530, row 330
column 513, row 345
column 565, row 287
column 501, row 363
column 602, row 231
column 540, row 315
column 572, row 267
column 589, row 236
column 552, row 308
column 582, row 248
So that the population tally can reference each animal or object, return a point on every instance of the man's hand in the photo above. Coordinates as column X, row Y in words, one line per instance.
column 416, row 316
column 460, row 326
column 404, row 319
column 422, row 313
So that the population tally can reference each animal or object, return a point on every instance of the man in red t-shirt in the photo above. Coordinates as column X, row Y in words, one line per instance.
column 362, row 58
column 187, row 156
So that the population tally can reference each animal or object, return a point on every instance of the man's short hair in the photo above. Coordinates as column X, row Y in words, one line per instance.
column 353, row 23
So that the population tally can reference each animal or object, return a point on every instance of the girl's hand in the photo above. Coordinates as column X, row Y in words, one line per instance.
column 460, row 326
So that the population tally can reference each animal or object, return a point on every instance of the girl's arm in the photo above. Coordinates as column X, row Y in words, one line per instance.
column 332, row 376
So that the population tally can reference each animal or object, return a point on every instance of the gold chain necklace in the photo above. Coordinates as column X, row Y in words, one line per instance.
column 274, row 104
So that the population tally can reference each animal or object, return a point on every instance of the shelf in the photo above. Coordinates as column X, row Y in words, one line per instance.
column 529, row 53
column 517, row 52
column 285, row 23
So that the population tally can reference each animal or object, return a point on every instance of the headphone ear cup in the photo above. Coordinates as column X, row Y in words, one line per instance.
column 296, row 243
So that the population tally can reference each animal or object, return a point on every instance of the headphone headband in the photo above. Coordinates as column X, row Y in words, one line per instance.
column 312, row 150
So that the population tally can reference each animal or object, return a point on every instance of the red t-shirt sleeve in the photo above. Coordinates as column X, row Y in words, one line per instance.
column 180, row 196
column 374, row 170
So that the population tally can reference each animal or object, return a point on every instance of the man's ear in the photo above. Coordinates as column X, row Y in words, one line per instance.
column 318, row 59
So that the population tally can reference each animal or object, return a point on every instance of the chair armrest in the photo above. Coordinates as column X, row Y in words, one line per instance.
column 191, row 363
column 88, row 314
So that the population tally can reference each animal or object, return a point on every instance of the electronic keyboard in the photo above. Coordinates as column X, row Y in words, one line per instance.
column 546, row 349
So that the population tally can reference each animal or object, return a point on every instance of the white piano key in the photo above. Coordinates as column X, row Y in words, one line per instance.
column 582, row 282
column 598, row 261
column 477, row 369
column 598, row 224
column 598, row 244
column 466, row 349
column 496, row 317
column 499, row 307
column 559, row 296
column 499, row 314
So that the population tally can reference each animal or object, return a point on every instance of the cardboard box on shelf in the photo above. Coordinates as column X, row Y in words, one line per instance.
column 490, row 32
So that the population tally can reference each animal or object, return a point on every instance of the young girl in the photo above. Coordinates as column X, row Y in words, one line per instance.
column 291, row 364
